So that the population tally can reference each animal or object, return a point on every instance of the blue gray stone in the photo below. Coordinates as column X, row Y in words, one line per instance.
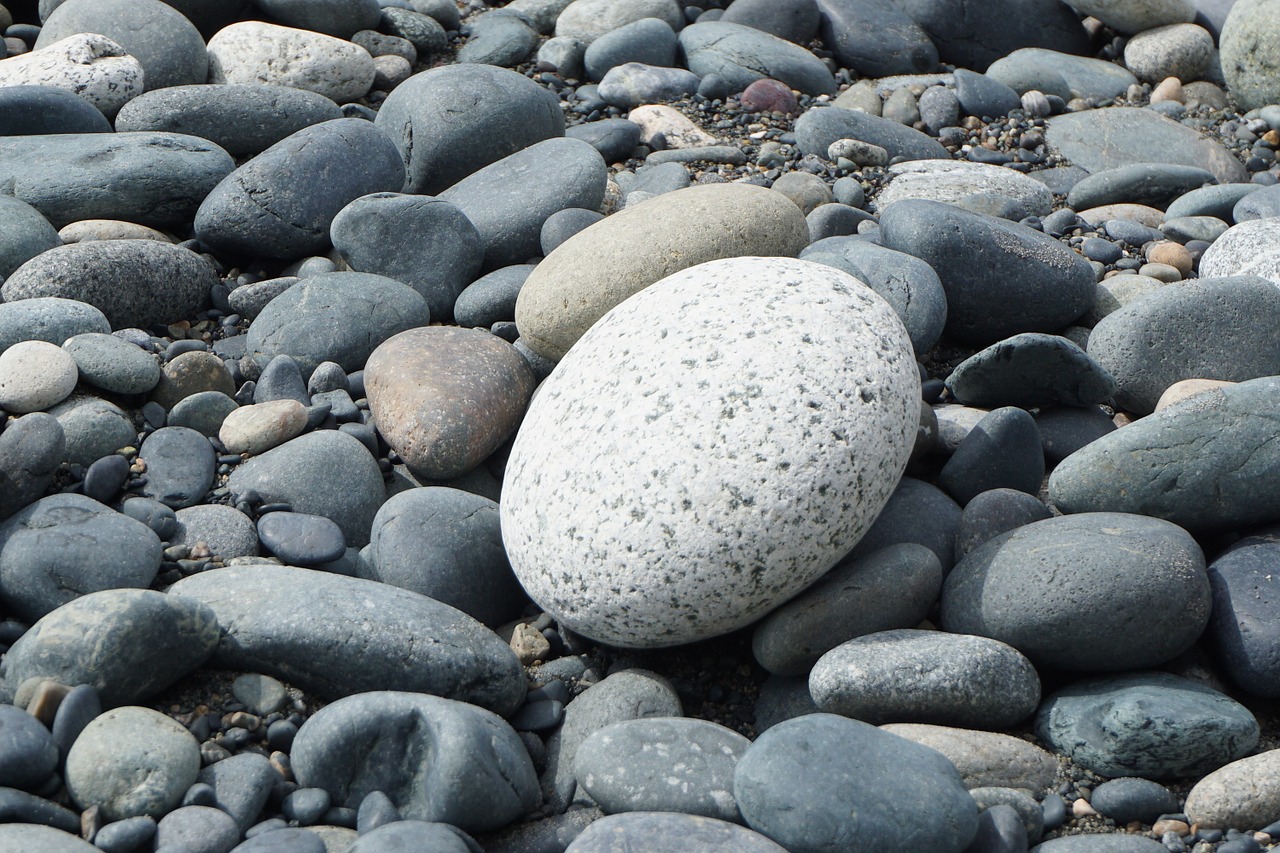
column 917, row 512
column 997, row 511
column 197, row 829
column 281, row 379
column 46, row 839
column 281, row 203
column 974, row 33
column 813, row 782
column 1052, row 72
column 300, row 539
column 1002, row 451
column 981, row 95
column 1000, row 830
column 134, row 283
column 817, row 128
column 794, row 20
column 1066, row 429
column 1153, row 184
column 92, row 428
column 50, row 319
column 614, row 138
column 491, row 298
column 1009, row 588
column 1128, row 799
column 31, row 449
column 1100, row 843
column 128, row 644
column 668, row 831
column 741, row 55
column 241, row 783
column 242, row 119
column 633, row 84
column 340, row 317
column 1218, row 200
column 64, row 546
column 339, row 18
column 876, row 38
column 152, row 178
column 24, row 233
column 105, row 477
column 1246, row 45
column 426, row 243
column 501, row 37
column 37, row 110
column 336, row 635
column 649, row 41
column 442, row 137
column 27, row 751
column 124, row 836
column 437, row 759
column 1244, row 627
column 203, row 411
column 181, row 465
column 424, row 31
column 112, row 363
column 1149, row 724
column 1032, row 370
column 1260, row 205
column 414, row 836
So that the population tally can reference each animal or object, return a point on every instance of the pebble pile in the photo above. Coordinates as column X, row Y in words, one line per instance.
column 587, row 426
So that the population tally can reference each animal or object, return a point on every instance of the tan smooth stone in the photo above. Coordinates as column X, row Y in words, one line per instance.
column 1186, row 389
column 1171, row 253
column 262, row 426
column 110, row 229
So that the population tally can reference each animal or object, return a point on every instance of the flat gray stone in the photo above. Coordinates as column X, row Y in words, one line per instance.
column 27, row 110
column 32, row 447
column 50, row 319
column 952, row 181
column 817, row 128
column 984, row 758
column 668, row 831
column 875, row 38
column 338, row 635
column 112, row 363
column 1032, row 370
column 1056, row 73
column 740, row 55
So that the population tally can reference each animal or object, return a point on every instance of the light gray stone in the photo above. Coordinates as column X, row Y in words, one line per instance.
column 112, row 363
column 1184, row 51
column 1249, row 248
column 258, row 52
column 983, row 758
column 86, row 64
column 951, row 181
column 668, row 831
column 1250, row 61
column 650, row 582
column 587, row 20
column 1244, row 793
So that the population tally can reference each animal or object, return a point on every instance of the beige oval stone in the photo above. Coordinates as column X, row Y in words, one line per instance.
column 1243, row 794
column 1167, row 273
column 262, row 426
column 1169, row 89
column 678, row 130
column 1186, row 389
column 622, row 254
column 110, row 229
column 1173, row 254
column 985, row 759
column 445, row 398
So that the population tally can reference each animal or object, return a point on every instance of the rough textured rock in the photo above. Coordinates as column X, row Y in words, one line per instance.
column 1242, row 793
column 668, row 831
column 622, row 254
column 1248, row 53
column 649, row 582
column 951, row 181
column 1249, row 248
column 87, row 64
column 258, row 52
column 587, row 20
column 1243, row 626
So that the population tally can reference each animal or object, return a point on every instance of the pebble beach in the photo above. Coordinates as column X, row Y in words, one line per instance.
column 598, row 426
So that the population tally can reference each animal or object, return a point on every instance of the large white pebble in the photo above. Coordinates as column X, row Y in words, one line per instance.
column 35, row 375
column 709, row 448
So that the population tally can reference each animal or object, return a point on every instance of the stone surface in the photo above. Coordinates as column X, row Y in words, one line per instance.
column 281, row 203
column 951, row 181
column 89, row 65
column 1248, row 248
column 1003, row 450
column 814, row 782
column 49, row 319
column 627, row 252
column 985, row 758
column 156, row 179
column 990, row 513
column 35, row 375
column 254, row 52
column 24, row 233
column 1129, row 798
column 667, row 831
column 1009, row 589
column 916, row 676
column 446, row 398
column 31, row 449
column 974, row 33
column 1149, row 724
column 442, row 138
column 741, row 55
column 1243, row 623
column 1243, row 793
column 113, row 364
column 1248, row 55
column 916, row 512
column 225, row 531
column 1031, row 370
column 684, row 541
column 258, row 428
column 587, row 20
column 1053, row 73
column 329, row 646
column 42, row 109
column 181, row 466
column 437, row 759
column 1184, row 51
column 817, row 129
column 1135, row 17
column 1205, row 463
column 875, row 38
column 128, row 644
column 29, row 753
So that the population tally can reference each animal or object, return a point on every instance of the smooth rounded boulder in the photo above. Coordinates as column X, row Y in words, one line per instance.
column 38, row 109
column 740, row 55
column 337, row 636
column 134, row 283
column 622, row 254
column 88, row 65
column 280, row 204
column 442, row 136
column 709, row 425
column 24, row 233
column 1010, row 589
column 1245, row 624
column 974, row 33
column 1247, row 46
column 668, row 831
column 257, row 52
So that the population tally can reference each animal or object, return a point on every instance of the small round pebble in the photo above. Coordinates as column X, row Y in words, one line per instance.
column 260, row 694
column 301, row 539
column 1129, row 798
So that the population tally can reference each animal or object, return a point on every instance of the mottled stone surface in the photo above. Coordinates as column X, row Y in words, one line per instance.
column 258, row 52
column 649, row 533
column 90, row 65
column 1249, row 248
column 668, row 831
column 985, row 759
column 951, row 181
column 1243, row 793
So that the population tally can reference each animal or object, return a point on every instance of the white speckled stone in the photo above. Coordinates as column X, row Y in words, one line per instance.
column 89, row 65
column 709, row 448
column 1250, row 248
column 255, row 52
column 951, row 180
column 35, row 375
column 260, row 427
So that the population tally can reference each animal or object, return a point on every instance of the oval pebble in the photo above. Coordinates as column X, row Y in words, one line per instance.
column 34, row 376
column 299, row 539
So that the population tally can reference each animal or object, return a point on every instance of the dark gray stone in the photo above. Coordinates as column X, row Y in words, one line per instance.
column 1218, row 201
column 197, row 829
column 908, row 284
column 1065, row 430
column 127, row 644
column 668, row 831
column 939, row 108
column 169, row 46
column 126, row 836
column 796, row 785
column 991, row 513
column 662, row 764
column 614, row 138
column 1000, row 830
column 981, row 95
column 160, row 518
column 27, row 751
column 917, row 512
column 414, row 836
column 445, row 544
column 903, row 580
column 837, row 220
column 280, row 204
column 336, row 635
column 66, row 545
column 243, row 120
column 501, row 38
column 181, row 465
column 913, row 676
column 1002, row 451
column 1000, row 277
column 282, row 379
column 242, row 784
column 155, row 179
column 442, row 136
column 426, row 34
column 92, row 428
column 134, row 283
column 286, row 839
column 1214, row 328
column 31, row 449
column 105, row 477
column 24, row 233
column 491, row 298
column 633, row 84
column 1097, row 140
column 974, row 33
column 437, row 759
column 340, row 317
column 299, row 539
column 19, row 807
column 1260, row 205
column 876, row 38
column 783, row 697
column 1028, row 812
column 112, row 363
column 649, row 41
column 1244, row 627
column 563, row 224
column 794, row 20
column 1032, row 370
column 203, row 411
column 33, row 110
column 426, row 243
column 1062, row 75
column 816, row 129
column 1128, row 799
column 338, row 18
column 1154, row 184
column 46, row 839
column 741, row 55
column 1010, row 589
column 1150, row 724
column 326, row 473
column 48, row 319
